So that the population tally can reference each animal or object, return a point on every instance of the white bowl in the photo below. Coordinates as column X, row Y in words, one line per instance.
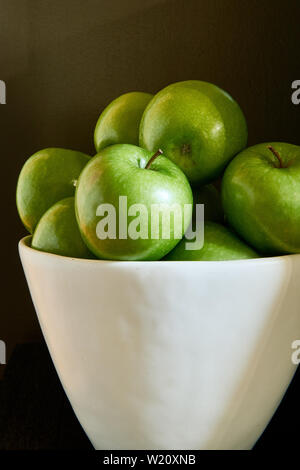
column 169, row 355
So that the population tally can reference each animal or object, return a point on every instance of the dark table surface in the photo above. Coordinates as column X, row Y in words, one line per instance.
column 35, row 413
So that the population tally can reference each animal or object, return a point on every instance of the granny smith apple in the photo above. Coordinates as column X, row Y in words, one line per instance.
column 211, row 198
column 117, row 198
column 119, row 122
column 261, row 197
column 220, row 244
column 46, row 177
column 57, row 232
column 197, row 125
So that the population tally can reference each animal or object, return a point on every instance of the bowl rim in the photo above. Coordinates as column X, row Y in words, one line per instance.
column 24, row 245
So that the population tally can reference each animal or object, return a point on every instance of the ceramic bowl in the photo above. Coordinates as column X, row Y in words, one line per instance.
column 169, row 355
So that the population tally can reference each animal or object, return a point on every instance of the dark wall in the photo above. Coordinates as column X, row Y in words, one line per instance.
column 64, row 60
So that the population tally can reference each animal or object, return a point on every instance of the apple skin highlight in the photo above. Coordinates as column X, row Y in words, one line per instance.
column 198, row 126
column 261, row 197
column 120, row 170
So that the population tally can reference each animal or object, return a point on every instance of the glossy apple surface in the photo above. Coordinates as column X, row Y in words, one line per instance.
column 120, row 170
column 197, row 125
column 119, row 122
column 261, row 197
column 57, row 232
column 220, row 244
column 47, row 177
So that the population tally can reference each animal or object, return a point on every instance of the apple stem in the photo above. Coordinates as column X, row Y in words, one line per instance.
column 276, row 154
column 159, row 152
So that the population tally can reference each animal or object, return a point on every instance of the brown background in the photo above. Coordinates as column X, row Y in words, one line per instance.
column 64, row 60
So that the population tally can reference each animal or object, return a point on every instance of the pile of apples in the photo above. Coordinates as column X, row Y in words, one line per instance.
column 185, row 145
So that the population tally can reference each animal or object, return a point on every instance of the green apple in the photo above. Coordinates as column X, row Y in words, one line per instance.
column 261, row 197
column 197, row 125
column 119, row 122
column 47, row 177
column 211, row 198
column 57, row 232
column 123, row 184
column 220, row 244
